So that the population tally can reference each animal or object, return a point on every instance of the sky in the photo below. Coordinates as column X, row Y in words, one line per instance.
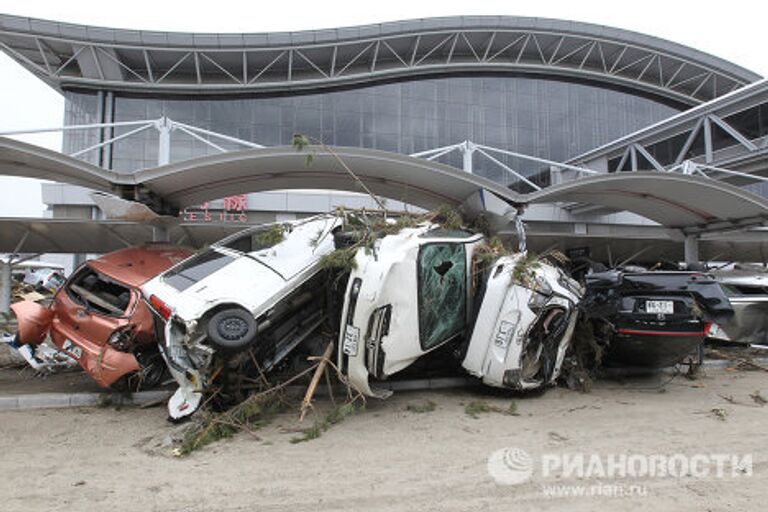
column 734, row 32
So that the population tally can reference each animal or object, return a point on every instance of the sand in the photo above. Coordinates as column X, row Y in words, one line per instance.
column 388, row 458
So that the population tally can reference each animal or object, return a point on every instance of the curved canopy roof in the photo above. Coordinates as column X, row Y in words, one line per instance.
column 31, row 161
column 391, row 175
column 68, row 55
column 689, row 203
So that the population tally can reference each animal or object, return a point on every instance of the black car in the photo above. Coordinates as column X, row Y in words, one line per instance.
column 652, row 319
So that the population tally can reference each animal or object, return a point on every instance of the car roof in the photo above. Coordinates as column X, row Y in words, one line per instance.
column 136, row 265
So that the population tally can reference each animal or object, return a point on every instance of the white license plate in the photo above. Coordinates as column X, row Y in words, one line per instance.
column 351, row 340
column 73, row 349
column 664, row 307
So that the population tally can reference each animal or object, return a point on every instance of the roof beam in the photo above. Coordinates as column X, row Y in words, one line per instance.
column 172, row 68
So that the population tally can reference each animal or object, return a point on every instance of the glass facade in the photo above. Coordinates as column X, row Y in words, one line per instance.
column 535, row 116
column 81, row 109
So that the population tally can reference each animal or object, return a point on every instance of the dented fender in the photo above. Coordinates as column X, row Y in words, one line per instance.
column 107, row 365
column 34, row 322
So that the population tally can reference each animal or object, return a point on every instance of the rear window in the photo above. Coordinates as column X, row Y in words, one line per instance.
column 257, row 239
column 98, row 293
column 446, row 233
column 196, row 268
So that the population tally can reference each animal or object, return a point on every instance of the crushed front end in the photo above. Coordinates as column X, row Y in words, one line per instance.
column 524, row 326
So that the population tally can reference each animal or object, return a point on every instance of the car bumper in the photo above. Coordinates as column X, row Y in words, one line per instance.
column 188, row 396
column 646, row 348
column 102, row 363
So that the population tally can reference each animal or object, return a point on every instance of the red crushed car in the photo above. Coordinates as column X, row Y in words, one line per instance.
column 99, row 319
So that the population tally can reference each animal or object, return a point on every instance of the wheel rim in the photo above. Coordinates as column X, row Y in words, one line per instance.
column 232, row 328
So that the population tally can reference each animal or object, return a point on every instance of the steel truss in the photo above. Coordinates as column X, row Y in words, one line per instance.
column 222, row 63
column 709, row 139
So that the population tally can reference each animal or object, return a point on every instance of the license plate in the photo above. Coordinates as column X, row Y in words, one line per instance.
column 664, row 307
column 73, row 349
column 351, row 340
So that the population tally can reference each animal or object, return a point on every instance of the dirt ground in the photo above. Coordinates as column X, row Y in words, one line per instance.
column 389, row 458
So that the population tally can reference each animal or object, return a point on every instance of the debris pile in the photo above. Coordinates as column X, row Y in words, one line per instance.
column 261, row 408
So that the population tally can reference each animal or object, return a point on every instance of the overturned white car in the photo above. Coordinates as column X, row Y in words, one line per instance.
column 425, row 287
column 259, row 290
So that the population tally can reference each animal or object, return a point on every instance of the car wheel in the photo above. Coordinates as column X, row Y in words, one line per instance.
column 153, row 369
column 232, row 329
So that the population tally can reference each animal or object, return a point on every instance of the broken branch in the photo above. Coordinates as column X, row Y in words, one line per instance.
column 307, row 402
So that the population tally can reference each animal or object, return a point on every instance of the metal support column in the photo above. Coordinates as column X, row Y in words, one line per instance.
column 708, row 148
column 101, row 133
column 691, row 249
column 77, row 260
column 467, row 149
column 164, row 143
column 109, row 117
column 5, row 286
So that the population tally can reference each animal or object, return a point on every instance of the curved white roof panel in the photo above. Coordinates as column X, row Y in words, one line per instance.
column 391, row 175
column 689, row 203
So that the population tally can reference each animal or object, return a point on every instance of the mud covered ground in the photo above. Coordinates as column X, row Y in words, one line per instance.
column 392, row 458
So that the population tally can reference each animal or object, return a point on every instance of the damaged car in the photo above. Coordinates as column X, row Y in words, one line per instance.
column 240, row 306
column 427, row 287
column 747, row 289
column 652, row 319
column 99, row 319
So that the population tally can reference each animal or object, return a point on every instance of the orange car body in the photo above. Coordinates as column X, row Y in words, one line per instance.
column 81, row 321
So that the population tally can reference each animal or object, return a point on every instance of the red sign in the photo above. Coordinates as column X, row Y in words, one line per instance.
column 235, row 208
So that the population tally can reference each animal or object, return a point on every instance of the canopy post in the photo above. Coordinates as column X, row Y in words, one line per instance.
column 691, row 249
column 160, row 234
column 5, row 286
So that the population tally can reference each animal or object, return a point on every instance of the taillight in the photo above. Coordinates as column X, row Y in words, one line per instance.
column 161, row 307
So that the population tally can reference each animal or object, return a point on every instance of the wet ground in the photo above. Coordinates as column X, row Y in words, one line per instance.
column 400, row 455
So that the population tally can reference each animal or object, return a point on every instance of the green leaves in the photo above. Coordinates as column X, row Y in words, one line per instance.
column 300, row 142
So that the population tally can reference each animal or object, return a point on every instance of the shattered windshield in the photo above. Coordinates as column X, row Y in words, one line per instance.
column 442, row 292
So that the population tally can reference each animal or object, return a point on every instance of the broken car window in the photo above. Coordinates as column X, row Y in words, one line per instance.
column 446, row 233
column 99, row 294
column 196, row 268
column 442, row 292
column 257, row 239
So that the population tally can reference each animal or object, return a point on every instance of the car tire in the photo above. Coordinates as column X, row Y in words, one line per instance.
column 232, row 329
